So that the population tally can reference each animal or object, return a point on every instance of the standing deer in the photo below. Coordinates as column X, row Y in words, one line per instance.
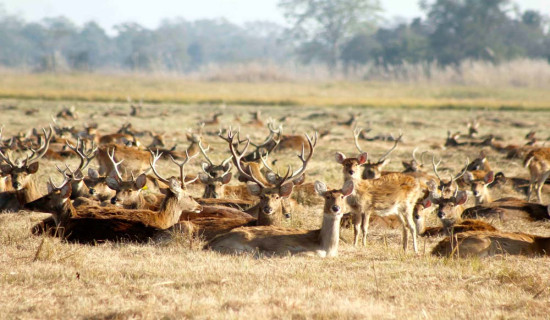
column 272, row 240
column 373, row 170
column 22, row 175
column 538, row 163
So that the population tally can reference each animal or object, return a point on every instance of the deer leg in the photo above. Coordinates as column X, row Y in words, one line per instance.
column 365, row 227
column 356, row 219
column 540, row 185
column 412, row 229
column 532, row 183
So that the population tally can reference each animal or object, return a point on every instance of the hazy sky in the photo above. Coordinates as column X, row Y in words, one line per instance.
column 149, row 13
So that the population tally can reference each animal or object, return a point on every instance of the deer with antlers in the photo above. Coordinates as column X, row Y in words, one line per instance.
column 134, row 159
column 444, row 188
column 272, row 189
column 371, row 170
column 79, row 188
column 22, row 175
column 449, row 212
column 273, row 240
column 91, row 224
column 538, row 163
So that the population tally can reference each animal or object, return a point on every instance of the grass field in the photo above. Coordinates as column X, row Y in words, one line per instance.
column 41, row 277
column 166, row 89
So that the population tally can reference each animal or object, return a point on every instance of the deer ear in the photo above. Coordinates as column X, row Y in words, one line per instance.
column 363, row 157
column 66, row 190
column 203, row 177
column 112, row 183
column 432, row 185
column 468, row 177
column 50, row 187
column 340, row 157
column 6, row 169
column 226, row 178
column 320, row 187
column 348, row 187
column 254, row 188
column 300, row 180
column 271, row 177
column 92, row 173
column 426, row 203
column 141, row 180
column 406, row 165
column 489, row 177
column 286, row 189
column 33, row 168
column 461, row 198
column 174, row 185
column 78, row 175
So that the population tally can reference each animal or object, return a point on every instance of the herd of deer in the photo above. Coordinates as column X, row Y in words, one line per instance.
column 110, row 204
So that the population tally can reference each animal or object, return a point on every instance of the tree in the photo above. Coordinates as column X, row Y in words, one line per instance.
column 321, row 27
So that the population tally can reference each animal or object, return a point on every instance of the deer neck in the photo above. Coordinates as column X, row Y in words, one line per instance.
column 210, row 192
column 330, row 234
column 28, row 194
column 80, row 190
column 64, row 213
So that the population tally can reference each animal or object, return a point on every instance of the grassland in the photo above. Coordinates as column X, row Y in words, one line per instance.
column 47, row 278
column 166, row 89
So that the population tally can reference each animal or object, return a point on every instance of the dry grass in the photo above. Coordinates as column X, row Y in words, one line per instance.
column 42, row 277
column 174, row 89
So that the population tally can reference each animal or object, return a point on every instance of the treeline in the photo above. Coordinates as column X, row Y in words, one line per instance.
column 453, row 31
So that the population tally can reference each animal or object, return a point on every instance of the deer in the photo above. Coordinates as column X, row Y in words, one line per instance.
column 414, row 165
column 79, row 188
column 272, row 190
column 479, row 187
column 444, row 188
column 452, row 140
column 449, row 212
column 486, row 244
column 271, row 240
column 538, row 163
column 509, row 209
column 90, row 224
column 215, row 119
column 22, row 175
column 391, row 194
column 372, row 170
column 97, row 185
column 128, row 192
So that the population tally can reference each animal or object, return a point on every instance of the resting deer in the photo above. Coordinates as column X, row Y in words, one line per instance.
column 272, row 190
column 479, row 187
column 508, row 209
column 176, row 199
column 97, row 185
column 485, row 244
column 79, row 188
column 91, row 224
column 281, row 241
column 444, row 188
column 128, row 193
column 538, row 163
column 22, row 176
column 449, row 212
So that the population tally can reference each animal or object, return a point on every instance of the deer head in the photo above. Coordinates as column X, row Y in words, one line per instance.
column 215, row 177
column 414, row 165
column 335, row 200
column 444, row 188
column 449, row 210
column 126, row 190
column 373, row 170
column 21, row 171
column 272, row 190
column 479, row 187
column 55, row 201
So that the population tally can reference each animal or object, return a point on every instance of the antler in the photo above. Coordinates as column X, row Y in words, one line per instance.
column 383, row 157
column 305, row 161
column 356, row 134
column 182, row 171
column 238, row 156
column 6, row 157
column 115, row 164
column 37, row 154
column 204, row 153
column 435, row 167
column 65, row 181
column 85, row 157
column 153, row 162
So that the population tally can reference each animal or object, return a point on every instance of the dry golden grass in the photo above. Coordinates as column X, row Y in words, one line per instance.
column 167, row 89
column 41, row 277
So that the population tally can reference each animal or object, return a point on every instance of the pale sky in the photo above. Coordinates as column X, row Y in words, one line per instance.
column 149, row 13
